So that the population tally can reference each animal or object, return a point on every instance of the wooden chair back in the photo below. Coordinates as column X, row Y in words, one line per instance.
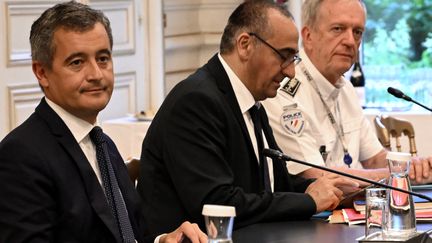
column 133, row 167
column 388, row 128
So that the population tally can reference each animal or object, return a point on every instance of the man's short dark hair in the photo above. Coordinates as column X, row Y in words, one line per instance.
column 250, row 16
column 70, row 16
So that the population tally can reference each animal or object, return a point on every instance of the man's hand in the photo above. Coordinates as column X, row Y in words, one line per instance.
column 328, row 190
column 187, row 232
column 420, row 170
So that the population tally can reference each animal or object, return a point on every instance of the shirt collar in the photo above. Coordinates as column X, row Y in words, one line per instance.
column 327, row 90
column 78, row 127
column 243, row 95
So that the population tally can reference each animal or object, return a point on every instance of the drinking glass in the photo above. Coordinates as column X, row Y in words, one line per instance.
column 219, row 221
column 376, row 201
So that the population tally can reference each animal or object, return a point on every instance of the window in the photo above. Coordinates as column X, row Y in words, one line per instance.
column 397, row 52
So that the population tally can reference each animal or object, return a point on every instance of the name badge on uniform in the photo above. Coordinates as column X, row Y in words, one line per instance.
column 292, row 121
column 291, row 87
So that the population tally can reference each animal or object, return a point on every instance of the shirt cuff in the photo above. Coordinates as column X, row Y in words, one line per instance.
column 157, row 238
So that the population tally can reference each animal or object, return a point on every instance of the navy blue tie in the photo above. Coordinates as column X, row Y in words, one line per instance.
column 110, row 184
column 254, row 113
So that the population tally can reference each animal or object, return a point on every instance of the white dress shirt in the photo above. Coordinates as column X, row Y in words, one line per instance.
column 80, row 129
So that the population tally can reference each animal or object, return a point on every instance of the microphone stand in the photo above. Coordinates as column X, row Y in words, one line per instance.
column 427, row 108
column 399, row 94
column 272, row 153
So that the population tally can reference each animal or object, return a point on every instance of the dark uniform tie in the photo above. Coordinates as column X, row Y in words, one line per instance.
column 254, row 113
column 112, row 190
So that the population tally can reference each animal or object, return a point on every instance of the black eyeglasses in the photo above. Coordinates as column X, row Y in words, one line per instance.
column 287, row 59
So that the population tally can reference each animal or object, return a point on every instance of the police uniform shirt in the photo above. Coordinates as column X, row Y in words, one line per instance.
column 301, row 125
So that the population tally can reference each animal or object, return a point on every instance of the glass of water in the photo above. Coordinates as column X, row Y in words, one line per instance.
column 219, row 222
column 376, row 201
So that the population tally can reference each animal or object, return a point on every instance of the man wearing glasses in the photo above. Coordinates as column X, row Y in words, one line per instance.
column 316, row 116
column 205, row 144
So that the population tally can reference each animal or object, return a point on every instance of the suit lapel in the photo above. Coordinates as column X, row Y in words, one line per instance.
column 92, row 187
column 222, row 81
column 221, row 77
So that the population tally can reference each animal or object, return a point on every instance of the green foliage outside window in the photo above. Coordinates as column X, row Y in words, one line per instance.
column 397, row 51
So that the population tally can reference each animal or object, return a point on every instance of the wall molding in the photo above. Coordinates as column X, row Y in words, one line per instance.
column 120, row 12
column 193, row 40
column 127, row 81
column 20, row 16
column 123, row 99
column 219, row 5
column 182, row 5
column 179, row 71
column 179, row 5
column 193, row 33
column 23, row 99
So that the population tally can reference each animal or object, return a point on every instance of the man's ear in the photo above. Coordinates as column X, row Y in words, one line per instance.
column 244, row 46
column 306, row 36
column 39, row 71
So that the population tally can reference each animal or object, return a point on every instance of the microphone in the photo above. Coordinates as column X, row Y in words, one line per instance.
column 276, row 154
column 399, row 94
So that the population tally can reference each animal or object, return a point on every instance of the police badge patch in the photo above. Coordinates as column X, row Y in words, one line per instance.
column 293, row 122
column 291, row 86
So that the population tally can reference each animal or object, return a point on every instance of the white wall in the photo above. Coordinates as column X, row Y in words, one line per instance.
column 192, row 34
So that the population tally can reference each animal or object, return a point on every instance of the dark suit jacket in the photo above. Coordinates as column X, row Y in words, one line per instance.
column 50, row 192
column 198, row 151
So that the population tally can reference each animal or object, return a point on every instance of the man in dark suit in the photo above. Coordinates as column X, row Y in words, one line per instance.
column 54, row 186
column 202, row 148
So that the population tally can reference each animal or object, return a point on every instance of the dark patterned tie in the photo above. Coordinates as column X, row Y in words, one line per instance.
column 112, row 190
column 254, row 113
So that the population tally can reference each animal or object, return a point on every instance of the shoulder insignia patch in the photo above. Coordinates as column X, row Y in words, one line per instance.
column 293, row 122
column 291, row 87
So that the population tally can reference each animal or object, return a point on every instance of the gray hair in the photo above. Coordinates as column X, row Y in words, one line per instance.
column 310, row 11
column 250, row 16
column 70, row 16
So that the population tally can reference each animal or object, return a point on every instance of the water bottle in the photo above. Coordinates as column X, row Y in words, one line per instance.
column 400, row 220
column 358, row 81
